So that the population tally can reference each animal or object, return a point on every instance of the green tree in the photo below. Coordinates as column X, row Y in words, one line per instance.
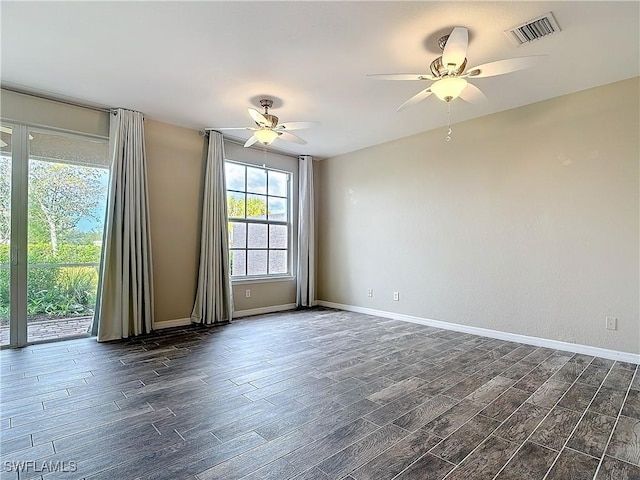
column 256, row 207
column 60, row 195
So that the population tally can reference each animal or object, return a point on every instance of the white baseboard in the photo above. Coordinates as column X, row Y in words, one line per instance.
column 485, row 332
column 262, row 310
column 182, row 322
column 178, row 322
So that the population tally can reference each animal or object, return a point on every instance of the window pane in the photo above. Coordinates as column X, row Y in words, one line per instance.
column 278, row 184
column 237, row 235
column 234, row 176
column 257, row 237
column 238, row 263
column 257, row 264
column 235, row 205
column 278, row 236
column 278, row 261
column 256, row 180
column 277, row 209
column 256, row 206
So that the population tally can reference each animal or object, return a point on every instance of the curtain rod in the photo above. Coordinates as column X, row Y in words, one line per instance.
column 53, row 98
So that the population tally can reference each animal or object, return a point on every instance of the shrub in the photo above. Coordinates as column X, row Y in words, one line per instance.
column 54, row 291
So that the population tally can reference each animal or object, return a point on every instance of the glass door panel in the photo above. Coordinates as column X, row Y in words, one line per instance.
column 5, row 233
column 67, row 187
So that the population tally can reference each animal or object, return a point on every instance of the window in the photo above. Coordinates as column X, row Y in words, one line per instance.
column 258, row 203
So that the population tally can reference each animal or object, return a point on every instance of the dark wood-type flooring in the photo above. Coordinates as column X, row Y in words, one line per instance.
column 313, row 395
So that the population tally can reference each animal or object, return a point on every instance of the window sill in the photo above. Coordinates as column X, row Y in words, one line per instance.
column 247, row 280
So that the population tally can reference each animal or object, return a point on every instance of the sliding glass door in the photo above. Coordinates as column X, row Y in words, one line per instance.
column 56, row 208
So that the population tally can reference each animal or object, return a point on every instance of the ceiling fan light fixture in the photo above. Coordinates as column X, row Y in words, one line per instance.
column 448, row 88
column 265, row 136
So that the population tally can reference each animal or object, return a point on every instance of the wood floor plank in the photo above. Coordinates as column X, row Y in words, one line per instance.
column 573, row 465
column 554, row 431
column 505, row 404
column 458, row 445
column 425, row 413
column 608, row 401
column 325, row 447
column 625, row 443
column 521, row 423
column 398, row 457
column 255, row 458
column 427, row 467
column 530, row 463
column 592, row 434
column 486, row 461
column 358, row 453
column 614, row 469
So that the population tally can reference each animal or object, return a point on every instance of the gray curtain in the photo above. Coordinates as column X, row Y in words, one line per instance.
column 214, row 303
column 125, row 291
column 306, row 284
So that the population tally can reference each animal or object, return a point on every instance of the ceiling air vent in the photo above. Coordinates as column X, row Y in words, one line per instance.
column 533, row 29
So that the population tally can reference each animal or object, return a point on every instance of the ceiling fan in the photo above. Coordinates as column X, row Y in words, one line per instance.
column 449, row 72
column 268, row 129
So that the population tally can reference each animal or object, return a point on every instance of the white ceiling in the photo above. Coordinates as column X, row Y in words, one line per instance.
column 201, row 64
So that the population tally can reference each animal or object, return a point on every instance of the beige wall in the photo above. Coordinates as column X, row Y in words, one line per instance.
column 175, row 162
column 33, row 111
column 526, row 222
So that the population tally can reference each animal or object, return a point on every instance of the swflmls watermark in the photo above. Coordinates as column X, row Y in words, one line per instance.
column 43, row 466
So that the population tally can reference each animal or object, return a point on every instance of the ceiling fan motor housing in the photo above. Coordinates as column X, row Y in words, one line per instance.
column 272, row 119
column 439, row 69
column 267, row 103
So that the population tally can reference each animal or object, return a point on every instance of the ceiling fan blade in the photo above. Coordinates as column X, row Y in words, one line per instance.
column 455, row 50
column 290, row 137
column 501, row 67
column 401, row 76
column 473, row 94
column 296, row 125
column 251, row 141
column 258, row 117
column 416, row 98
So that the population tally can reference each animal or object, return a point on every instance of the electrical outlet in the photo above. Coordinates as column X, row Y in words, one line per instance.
column 370, row 292
column 247, row 293
column 396, row 296
column 612, row 323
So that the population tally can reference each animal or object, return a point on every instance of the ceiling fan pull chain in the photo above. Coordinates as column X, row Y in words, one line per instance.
column 448, row 137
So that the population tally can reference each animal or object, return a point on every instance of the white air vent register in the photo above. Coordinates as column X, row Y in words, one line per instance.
column 533, row 29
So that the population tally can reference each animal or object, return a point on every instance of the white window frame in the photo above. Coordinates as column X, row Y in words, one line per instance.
column 288, row 223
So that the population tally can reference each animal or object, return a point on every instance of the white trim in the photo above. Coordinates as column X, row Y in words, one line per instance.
column 262, row 310
column 183, row 322
column 178, row 322
column 249, row 280
column 485, row 332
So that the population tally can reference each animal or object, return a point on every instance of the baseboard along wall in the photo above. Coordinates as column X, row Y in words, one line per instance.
column 485, row 332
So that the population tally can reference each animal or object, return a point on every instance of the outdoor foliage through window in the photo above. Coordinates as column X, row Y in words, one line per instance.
column 258, row 209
